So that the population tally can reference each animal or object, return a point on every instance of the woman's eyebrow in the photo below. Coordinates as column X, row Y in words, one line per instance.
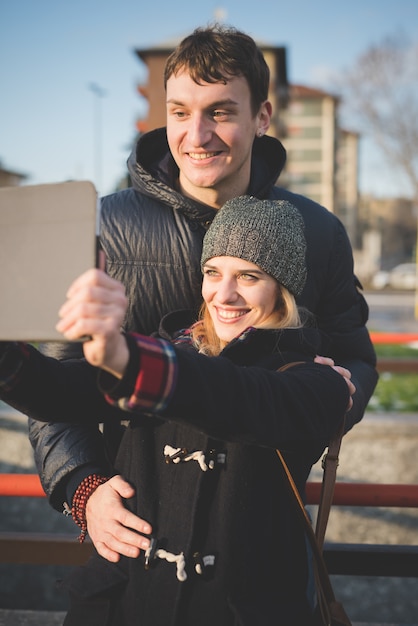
column 245, row 270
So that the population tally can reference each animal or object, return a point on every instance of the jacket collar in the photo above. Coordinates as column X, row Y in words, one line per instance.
column 254, row 344
column 154, row 172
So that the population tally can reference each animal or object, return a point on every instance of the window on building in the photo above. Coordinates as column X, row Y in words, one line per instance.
column 305, row 177
column 305, row 155
column 306, row 107
column 304, row 132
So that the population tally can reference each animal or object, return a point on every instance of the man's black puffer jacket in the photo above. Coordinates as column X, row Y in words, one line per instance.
column 152, row 236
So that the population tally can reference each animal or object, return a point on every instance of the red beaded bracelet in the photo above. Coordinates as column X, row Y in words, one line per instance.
column 82, row 494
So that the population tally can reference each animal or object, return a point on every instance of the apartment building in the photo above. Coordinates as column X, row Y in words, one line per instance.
column 10, row 178
column 347, row 191
column 322, row 158
column 310, row 141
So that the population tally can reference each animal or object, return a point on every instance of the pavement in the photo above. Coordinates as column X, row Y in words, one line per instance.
column 381, row 449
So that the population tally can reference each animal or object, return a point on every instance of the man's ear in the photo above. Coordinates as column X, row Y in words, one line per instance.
column 264, row 117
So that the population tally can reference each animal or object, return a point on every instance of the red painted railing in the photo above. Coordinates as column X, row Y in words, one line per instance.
column 23, row 485
column 393, row 338
column 346, row 494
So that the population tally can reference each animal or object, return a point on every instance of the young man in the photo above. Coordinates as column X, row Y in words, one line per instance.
column 214, row 148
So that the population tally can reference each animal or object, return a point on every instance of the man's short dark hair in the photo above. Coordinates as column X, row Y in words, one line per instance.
column 215, row 53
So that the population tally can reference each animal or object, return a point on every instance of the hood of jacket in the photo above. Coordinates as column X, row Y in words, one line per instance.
column 154, row 172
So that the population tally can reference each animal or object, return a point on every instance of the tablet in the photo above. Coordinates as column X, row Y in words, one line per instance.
column 48, row 237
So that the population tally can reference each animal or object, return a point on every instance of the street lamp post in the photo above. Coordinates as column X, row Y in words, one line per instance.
column 98, row 93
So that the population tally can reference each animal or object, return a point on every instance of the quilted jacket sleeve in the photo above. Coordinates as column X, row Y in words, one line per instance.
column 62, row 449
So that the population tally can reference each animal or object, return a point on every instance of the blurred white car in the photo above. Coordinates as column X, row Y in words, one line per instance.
column 403, row 276
column 380, row 280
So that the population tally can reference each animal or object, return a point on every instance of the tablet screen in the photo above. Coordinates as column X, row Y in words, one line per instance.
column 48, row 237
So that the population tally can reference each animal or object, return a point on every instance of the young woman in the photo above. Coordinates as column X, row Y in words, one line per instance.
column 207, row 409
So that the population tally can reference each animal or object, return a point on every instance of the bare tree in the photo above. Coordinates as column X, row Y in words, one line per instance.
column 381, row 88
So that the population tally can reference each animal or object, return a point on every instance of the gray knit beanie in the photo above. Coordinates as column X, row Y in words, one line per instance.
column 268, row 233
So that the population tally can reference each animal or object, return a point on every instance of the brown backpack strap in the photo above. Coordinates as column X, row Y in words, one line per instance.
column 329, row 465
column 304, row 517
column 330, row 610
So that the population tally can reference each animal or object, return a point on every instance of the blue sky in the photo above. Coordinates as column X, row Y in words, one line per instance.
column 51, row 52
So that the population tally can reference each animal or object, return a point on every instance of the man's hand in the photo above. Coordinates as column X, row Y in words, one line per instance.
column 345, row 373
column 95, row 308
column 112, row 528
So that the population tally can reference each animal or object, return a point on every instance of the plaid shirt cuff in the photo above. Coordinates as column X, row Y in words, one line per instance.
column 155, row 380
column 13, row 357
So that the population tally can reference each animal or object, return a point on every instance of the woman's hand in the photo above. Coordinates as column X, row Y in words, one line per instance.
column 95, row 309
